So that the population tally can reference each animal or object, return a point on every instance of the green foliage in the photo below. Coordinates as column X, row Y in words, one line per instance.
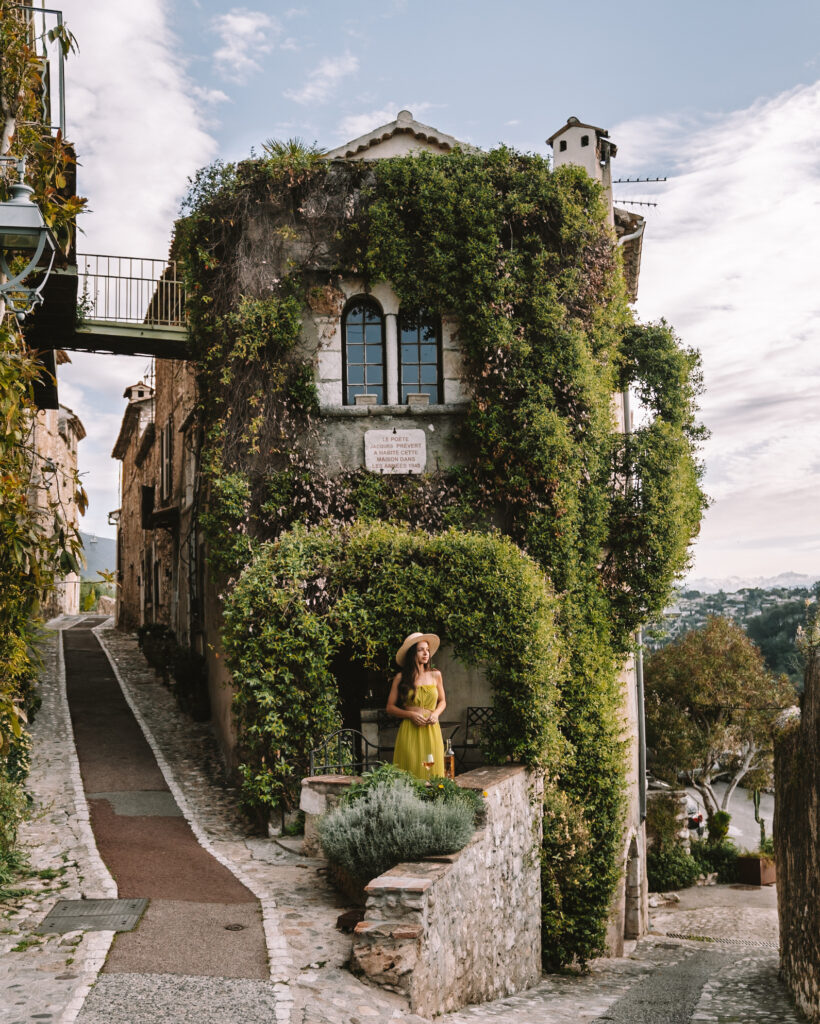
column 718, row 856
column 388, row 775
column 717, row 826
column 522, row 258
column 662, row 820
column 92, row 591
column 775, row 632
column 766, row 846
column 388, row 823
column 13, row 812
column 316, row 592
column 710, row 705
column 670, row 867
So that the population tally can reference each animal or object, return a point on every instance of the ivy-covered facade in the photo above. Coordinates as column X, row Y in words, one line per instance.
column 408, row 359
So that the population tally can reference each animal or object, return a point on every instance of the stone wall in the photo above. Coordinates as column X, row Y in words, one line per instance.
column 797, row 846
column 463, row 929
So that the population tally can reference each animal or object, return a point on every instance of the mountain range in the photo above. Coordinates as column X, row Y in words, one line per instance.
column 100, row 554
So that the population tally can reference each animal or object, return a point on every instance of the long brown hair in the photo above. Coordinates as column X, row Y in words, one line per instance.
column 409, row 675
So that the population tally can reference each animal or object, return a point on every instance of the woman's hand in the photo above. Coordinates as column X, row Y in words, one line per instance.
column 419, row 717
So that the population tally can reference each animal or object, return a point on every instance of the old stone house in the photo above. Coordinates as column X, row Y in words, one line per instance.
column 55, row 436
column 392, row 394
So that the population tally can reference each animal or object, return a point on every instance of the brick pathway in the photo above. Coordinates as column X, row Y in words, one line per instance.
column 309, row 985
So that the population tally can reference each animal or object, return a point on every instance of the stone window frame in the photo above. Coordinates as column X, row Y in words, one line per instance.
column 323, row 329
column 433, row 320
column 367, row 301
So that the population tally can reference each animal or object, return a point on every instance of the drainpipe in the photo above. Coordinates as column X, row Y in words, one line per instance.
column 639, row 696
column 628, row 238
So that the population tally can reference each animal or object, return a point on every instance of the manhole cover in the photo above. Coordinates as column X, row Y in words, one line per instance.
column 234, row 927
column 93, row 916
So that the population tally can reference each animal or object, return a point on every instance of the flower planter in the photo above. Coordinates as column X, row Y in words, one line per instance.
column 755, row 870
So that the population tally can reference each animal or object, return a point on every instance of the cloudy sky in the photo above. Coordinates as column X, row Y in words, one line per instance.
column 722, row 99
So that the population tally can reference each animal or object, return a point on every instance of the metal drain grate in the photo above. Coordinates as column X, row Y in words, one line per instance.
column 93, row 916
column 757, row 943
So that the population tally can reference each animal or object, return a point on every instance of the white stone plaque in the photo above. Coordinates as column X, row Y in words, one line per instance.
column 395, row 451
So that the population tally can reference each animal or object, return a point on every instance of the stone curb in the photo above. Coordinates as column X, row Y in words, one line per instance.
column 281, row 967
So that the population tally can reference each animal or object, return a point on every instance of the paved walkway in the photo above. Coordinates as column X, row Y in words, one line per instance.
column 663, row 981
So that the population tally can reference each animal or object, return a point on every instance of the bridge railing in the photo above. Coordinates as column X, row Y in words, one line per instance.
column 130, row 290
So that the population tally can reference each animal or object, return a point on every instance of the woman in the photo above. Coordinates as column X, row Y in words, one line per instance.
column 417, row 697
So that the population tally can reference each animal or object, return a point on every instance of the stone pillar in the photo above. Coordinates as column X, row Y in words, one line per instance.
column 391, row 369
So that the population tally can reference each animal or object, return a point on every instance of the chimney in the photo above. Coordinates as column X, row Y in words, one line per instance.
column 589, row 147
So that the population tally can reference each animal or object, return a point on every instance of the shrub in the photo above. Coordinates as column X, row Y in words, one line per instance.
column 670, row 867
column 13, row 810
column 389, row 824
column 718, row 826
column 766, row 847
column 442, row 789
column 716, row 856
column 191, row 682
column 662, row 820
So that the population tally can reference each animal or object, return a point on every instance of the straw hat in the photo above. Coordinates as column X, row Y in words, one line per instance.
column 415, row 638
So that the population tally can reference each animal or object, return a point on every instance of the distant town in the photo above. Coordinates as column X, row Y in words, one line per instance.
column 770, row 612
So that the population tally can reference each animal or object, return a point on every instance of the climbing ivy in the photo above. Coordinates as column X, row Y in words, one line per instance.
column 316, row 592
column 36, row 540
column 521, row 258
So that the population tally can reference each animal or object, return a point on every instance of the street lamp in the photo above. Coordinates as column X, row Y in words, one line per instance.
column 24, row 233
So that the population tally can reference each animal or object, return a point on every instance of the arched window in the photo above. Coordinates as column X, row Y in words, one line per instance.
column 363, row 350
column 419, row 356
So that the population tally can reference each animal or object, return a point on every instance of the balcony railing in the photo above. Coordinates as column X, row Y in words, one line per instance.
column 130, row 290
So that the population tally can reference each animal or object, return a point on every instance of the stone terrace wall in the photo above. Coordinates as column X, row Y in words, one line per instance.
column 463, row 929
column 797, row 847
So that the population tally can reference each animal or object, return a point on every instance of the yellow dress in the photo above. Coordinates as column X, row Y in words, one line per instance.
column 415, row 742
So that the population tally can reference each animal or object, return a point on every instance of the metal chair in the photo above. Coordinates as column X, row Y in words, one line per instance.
column 346, row 752
column 478, row 719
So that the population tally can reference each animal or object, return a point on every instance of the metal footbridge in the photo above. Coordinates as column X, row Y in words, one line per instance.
column 120, row 305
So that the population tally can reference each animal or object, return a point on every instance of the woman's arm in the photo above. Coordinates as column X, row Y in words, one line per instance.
column 415, row 715
column 442, row 700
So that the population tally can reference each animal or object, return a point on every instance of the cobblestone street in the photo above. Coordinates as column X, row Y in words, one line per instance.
column 729, row 980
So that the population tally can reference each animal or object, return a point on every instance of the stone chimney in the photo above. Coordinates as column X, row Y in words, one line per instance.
column 589, row 147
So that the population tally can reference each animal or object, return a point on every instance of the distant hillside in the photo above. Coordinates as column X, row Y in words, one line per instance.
column 731, row 584
column 770, row 615
column 100, row 554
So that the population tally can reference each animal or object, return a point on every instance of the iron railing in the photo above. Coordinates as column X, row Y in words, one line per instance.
column 130, row 290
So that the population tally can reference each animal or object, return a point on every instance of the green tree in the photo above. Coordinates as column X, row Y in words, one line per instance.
column 710, row 704
column 774, row 631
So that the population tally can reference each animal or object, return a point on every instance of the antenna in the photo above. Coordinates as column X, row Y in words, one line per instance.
column 632, row 181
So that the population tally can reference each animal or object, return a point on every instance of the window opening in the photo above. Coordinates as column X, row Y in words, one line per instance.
column 419, row 356
column 363, row 355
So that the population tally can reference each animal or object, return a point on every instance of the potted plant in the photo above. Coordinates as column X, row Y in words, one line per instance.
column 757, row 868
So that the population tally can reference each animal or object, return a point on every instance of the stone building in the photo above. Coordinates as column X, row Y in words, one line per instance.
column 392, row 394
column 55, row 436
column 156, row 537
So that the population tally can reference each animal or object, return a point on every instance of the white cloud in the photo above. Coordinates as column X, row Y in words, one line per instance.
column 135, row 120
column 323, row 80
column 246, row 36
column 210, row 96
column 730, row 258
